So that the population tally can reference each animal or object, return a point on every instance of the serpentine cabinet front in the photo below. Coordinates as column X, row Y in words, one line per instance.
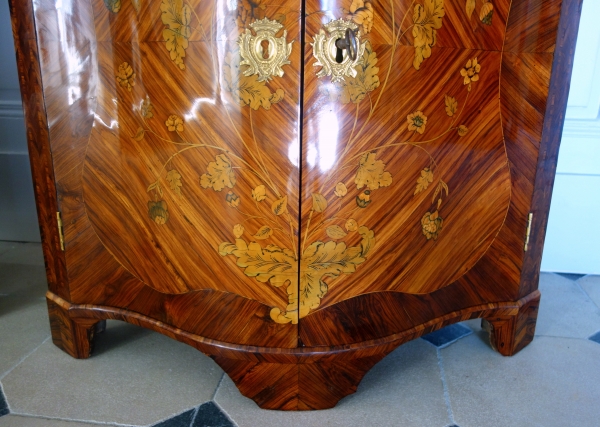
column 293, row 188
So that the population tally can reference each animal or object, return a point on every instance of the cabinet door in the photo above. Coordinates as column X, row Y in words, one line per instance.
column 175, row 146
column 419, row 159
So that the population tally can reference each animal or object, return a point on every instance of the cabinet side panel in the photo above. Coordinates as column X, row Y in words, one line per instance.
column 40, row 156
column 548, row 155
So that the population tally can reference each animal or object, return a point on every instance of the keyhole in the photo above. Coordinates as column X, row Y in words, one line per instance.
column 265, row 48
column 339, row 53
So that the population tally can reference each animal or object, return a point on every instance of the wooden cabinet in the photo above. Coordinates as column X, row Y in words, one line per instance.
column 294, row 188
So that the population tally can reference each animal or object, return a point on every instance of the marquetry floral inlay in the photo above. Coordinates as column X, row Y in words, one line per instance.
column 427, row 19
column 361, row 12
column 219, row 174
column 113, row 5
column 486, row 12
column 176, row 15
column 248, row 90
column 470, row 72
column 174, row 123
column 254, row 10
column 416, row 122
column 146, row 108
column 158, row 211
column 432, row 225
column 266, row 245
column 126, row 76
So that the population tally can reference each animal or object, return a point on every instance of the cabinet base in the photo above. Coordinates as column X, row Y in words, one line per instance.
column 294, row 379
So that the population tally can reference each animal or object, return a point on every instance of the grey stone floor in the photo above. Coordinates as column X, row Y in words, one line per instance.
column 140, row 378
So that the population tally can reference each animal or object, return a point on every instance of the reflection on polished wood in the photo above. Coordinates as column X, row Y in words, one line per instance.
column 296, row 224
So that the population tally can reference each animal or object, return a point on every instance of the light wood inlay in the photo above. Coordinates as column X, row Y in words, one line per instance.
column 294, row 228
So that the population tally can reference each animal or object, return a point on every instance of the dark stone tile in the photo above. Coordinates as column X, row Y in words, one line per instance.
column 447, row 335
column 3, row 404
column 596, row 337
column 572, row 277
column 209, row 415
column 181, row 420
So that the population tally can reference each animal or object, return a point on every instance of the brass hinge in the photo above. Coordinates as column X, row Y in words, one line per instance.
column 528, row 232
column 61, row 234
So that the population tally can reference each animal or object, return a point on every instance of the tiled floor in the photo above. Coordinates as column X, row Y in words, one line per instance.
column 452, row 377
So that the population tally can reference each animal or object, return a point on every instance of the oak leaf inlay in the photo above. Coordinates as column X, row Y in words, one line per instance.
column 424, row 180
column 451, row 105
column 427, row 19
column 247, row 90
column 176, row 16
column 219, row 174
column 174, row 179
column 371, row 173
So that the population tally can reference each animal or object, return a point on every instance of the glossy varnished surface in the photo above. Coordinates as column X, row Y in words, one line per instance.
column 197, row 203
column 148, row 216
column 182, row 173
column 490, row 267
column 178, row 147
column 415, row 144
column 304, row 378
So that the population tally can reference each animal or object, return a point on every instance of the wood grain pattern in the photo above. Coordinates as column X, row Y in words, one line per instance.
column 303, row 378
column 500, row 269
column 70, row 132
column 38, row 143
column 73, row 336
column 437, row 158
column 472, row 206
column 554, row 117
column 124, row 175
column 510, row 335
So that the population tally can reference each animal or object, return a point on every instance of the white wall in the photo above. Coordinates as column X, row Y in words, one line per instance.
column 573, row 236
column 18, row 219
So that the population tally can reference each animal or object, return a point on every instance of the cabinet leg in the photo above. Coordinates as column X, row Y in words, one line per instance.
column 510, row 334
column 74, row 336
column 297, row 387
